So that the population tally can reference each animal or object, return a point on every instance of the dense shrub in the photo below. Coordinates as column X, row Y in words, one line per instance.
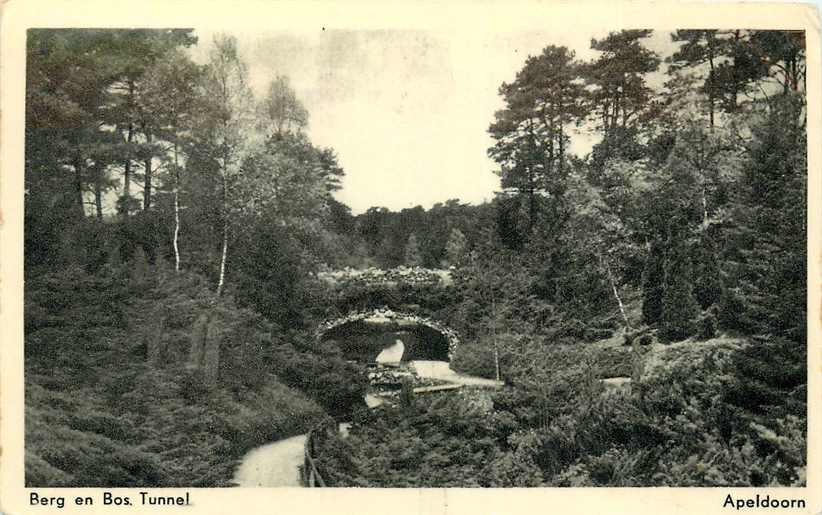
column 475, row 359
column 679, row 305
column 437, row 443
column 645, row 339
column 558, row 426
column 707, row 326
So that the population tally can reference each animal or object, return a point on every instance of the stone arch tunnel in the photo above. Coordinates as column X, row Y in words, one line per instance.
column 363, row 336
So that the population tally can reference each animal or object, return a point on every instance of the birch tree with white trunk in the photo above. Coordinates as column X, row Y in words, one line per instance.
column 228, row 123
column 169, row 100
column 602, row 232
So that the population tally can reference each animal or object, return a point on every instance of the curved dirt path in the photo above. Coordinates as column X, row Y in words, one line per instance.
column 274, row 464
column 442, row 370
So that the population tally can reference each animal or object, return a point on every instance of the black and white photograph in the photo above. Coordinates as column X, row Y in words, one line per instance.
column 415, row 258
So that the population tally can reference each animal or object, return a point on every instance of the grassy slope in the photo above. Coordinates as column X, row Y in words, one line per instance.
column 98, row 414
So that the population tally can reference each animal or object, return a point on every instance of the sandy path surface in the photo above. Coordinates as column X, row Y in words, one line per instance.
column 441, row 370
column 372, row 401
column 275, row 464
column 392, row 354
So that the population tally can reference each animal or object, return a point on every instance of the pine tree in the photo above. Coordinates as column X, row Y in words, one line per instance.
column 679, row 306
column 619, row 93
column 700, row 47
column 652, row 278
column 769, row 227
column 531, row 132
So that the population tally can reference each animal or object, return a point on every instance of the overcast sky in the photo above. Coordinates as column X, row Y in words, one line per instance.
column 406, row 111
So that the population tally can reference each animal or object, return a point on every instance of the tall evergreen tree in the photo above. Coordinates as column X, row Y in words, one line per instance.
column 653, row 276
column 769, row 223
column 679, row 305
column 620, row 94
column 531, row 135
column 707, row 275
column 700, row 47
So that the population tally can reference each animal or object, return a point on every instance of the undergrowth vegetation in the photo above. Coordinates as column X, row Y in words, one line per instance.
column 680, row 425
column 114, row 399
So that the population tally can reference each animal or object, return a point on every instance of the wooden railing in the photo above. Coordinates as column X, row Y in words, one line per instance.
column 310, row 473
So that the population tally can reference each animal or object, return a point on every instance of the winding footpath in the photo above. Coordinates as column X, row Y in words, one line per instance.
column 442, row 370
column 274, row 464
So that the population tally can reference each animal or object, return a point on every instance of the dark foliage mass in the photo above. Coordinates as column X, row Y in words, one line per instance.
column 177, row 230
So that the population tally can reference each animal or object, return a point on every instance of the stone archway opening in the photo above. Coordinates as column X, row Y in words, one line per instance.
column 365, row 336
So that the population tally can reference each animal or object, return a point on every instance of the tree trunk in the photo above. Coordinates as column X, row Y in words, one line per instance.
column 561, row 149
column 127, row 168
column 78, row 187
column 734, row 83
column 605, row 115
column 624, row 116
column 617, row 297
column 176, row 212
column 147, row 179
column 98, row 193
column 617, row 108
column 711, row 88
column 223, row 259
column 532, row 201
column 225, row 236
column 550, row 167
column 532, row 205
column 704, row 208
column 494, row 336
column 127, row 173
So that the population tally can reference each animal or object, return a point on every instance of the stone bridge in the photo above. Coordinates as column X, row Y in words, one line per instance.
column 385, row 310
